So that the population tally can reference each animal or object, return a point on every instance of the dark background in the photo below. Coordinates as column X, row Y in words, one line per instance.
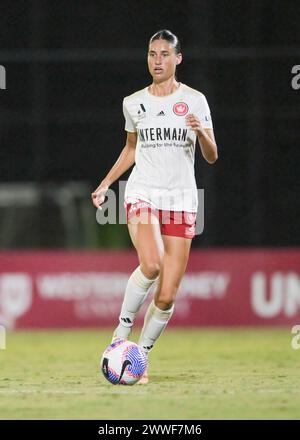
column 70, row 63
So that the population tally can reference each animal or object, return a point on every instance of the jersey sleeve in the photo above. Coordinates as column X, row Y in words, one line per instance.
column 129, row 123
column 203, row 112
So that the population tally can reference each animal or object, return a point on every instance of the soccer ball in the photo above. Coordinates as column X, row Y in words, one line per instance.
column 123, row 362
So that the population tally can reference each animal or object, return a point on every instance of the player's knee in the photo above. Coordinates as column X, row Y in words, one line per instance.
column 151, row 267
column 164, row 303
column 165, row 300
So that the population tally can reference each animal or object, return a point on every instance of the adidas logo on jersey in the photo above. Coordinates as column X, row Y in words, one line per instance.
column 142, row 114
column 161, row 113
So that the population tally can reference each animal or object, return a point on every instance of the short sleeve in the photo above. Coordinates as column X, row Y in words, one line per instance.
column 203, row 112
column 129, row 123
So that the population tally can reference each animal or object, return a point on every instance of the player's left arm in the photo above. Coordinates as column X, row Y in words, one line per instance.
column 205, row 137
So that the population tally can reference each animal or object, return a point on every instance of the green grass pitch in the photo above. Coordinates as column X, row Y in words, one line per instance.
column 194, row 374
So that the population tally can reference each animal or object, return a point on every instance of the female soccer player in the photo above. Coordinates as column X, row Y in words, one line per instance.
column 163, row 122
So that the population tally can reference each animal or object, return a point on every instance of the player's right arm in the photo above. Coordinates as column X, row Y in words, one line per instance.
column 123, row 163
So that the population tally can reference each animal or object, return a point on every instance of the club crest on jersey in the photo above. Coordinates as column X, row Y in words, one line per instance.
column 180, row 108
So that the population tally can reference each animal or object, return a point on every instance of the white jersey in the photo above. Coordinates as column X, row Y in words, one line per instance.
column 165, row 152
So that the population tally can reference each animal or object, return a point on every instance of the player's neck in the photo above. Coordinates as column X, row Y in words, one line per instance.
column 164, row 88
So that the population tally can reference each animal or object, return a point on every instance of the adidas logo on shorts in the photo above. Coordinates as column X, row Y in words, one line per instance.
column 190, row 230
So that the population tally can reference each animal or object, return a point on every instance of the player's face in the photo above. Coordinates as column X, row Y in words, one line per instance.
column 162, row 60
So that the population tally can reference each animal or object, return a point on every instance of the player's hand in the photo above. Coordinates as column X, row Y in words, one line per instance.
column 194, row 123
column 98, row 196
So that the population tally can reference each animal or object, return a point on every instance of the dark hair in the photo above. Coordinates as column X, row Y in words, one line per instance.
column 164, row 34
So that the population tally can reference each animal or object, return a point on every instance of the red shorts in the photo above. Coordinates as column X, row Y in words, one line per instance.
column 175, row 223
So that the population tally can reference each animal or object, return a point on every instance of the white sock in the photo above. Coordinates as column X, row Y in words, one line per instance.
column 155, row 322
column 136, row 292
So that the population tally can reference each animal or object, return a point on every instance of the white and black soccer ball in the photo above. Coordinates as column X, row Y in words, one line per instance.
column 123, row 362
